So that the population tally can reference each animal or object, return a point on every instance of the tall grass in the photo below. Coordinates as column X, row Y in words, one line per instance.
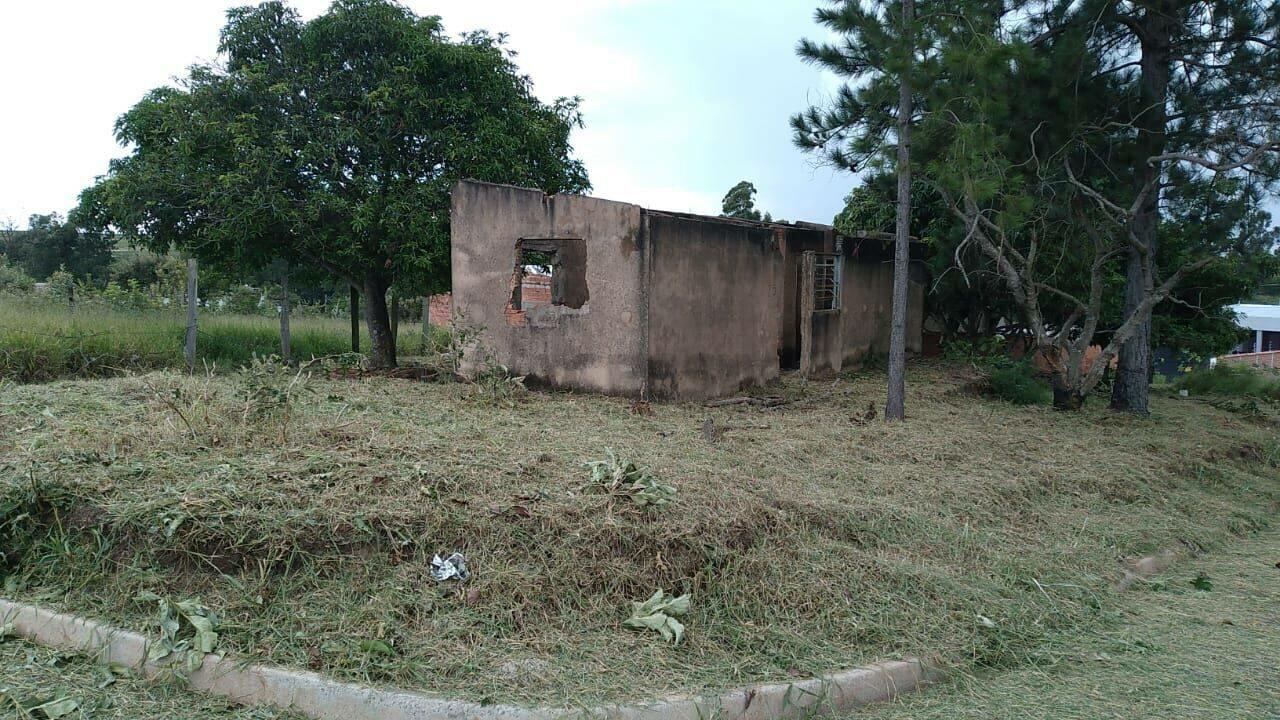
column 40, row 342
column 1233, row 380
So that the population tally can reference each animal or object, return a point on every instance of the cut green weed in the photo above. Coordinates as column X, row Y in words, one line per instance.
column 623, row 479
column 658, row 613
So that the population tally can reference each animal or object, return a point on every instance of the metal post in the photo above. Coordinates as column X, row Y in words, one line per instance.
column 192, row 301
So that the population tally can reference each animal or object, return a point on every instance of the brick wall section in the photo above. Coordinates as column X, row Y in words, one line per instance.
column 1259, row 360
column 441, row 309
column 534, row 290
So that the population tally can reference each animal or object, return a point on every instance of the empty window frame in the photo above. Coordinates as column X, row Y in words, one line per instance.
column 826, row 281
column 550, row 272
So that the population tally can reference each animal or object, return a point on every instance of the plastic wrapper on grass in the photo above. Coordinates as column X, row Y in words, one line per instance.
column 453, row 567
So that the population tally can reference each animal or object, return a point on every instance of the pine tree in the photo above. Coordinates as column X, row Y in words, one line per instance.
column 880, row 55
column 1202, row 93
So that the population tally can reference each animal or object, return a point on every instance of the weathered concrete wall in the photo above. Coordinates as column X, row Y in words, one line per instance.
column 831, row 340
column 714, row 300
column 867, row 302
column 596, row 347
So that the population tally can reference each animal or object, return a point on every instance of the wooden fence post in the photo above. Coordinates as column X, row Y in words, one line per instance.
column 192, row 300
column 355, row 320
column 286, row 350
column 426, row 322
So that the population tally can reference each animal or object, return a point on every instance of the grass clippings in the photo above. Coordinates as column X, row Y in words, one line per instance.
column 1167, row 650
column 80, row 689
column 977, row 530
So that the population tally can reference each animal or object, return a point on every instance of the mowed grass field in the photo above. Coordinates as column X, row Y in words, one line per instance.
column 40, row 342
column 1171, row 650
column 808, row 537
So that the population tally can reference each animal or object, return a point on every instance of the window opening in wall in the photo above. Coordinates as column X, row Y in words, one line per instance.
column 550, row 272
column 826, row 281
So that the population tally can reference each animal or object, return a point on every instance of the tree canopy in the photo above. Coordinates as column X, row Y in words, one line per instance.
column 1052, row 194
column 740, row 202
column 333, row 144
column 52, row 242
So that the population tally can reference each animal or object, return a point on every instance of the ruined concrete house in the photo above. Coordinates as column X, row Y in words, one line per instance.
column 590, row 294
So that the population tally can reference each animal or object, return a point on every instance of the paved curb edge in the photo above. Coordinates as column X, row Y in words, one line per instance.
column 324, row 698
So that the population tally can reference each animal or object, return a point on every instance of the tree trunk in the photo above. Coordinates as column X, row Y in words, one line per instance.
column 895, row 405
column 1065, row 397
column 382, row 350
column 355, row 319
column 1131, row 390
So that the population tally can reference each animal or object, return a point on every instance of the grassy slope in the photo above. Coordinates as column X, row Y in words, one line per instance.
column 1172, row 652
column 41, row 341
column 1167, row 650
column 819, row 542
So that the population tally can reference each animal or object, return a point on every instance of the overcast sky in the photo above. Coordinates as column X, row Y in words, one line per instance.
column 681, row 99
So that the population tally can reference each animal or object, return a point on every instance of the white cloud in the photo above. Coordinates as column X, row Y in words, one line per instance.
column 663, row 116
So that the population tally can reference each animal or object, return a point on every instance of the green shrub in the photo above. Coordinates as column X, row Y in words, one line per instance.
column 1233, row 380
column 12, row 278
column 983, row 350
column 1017, row 382
column 1014, row 381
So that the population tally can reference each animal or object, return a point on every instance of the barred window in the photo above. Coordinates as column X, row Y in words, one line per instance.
column 826, row 281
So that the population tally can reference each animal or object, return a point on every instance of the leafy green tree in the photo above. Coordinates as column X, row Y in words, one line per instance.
column 1033, row 168
column 1198, row 321
column 52, row 242
column 965, row 298
column 740, row 202
column 333, row 144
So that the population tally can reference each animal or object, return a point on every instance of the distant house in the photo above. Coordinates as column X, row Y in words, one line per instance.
column 1264, row 321
column 1263, row 348
column 591, row 294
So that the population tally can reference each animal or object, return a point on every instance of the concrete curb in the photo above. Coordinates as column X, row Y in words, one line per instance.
column 323, row 698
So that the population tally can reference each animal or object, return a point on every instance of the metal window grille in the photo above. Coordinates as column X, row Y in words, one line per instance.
column 826, row 281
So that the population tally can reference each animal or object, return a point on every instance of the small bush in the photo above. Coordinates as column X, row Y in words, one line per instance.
column 978, row 351
column 1017, row 382
column 1014, row 381
column 13, row 279
column 1234, row 381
